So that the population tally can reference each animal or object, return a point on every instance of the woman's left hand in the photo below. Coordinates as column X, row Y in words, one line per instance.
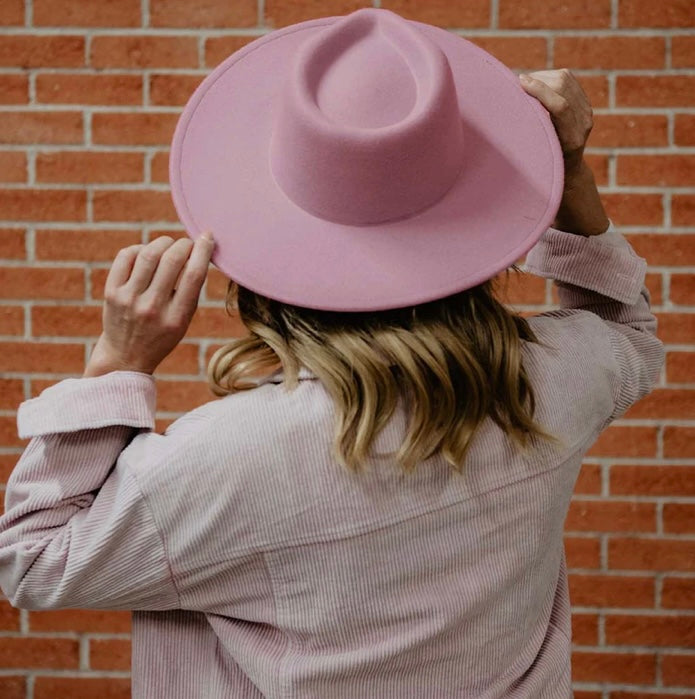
column 145, row 313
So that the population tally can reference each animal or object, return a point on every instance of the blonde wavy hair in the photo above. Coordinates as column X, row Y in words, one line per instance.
column 455, row 361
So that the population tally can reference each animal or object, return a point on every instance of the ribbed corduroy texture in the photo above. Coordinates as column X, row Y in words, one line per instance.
column 256, row 566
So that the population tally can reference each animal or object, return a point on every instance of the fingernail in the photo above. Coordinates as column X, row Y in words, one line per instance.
column 208, row 236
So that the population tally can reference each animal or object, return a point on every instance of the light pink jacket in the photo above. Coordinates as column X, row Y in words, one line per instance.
column 257, row 567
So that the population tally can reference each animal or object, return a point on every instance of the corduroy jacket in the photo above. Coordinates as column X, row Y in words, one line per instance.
column 256, row 566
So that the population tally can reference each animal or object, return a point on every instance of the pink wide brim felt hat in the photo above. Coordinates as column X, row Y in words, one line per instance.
column 364, row 162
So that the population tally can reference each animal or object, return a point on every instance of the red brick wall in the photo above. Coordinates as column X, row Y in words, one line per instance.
column 90, row 94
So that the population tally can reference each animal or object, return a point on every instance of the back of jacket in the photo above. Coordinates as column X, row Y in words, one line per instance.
column 285, row 575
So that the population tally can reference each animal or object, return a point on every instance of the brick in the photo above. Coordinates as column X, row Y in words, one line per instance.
column 475, row 13
column 144, row 52
column 13, row 166
column 31, row 51
column 147, row 129
column 516, row 52
column 588, row 590
column 77, row 13
column 610, row 516
column 66, row 321
column 218, row 48
column 216, row 285
column 678, row 670
column 11, row 320
column 11, row 395
column 45, row 357
column 12, row 244
column 204, row 13
column 519, row 288
column 43, row 204
column 652, row 630
column 161, row 424
column 133, row 205
column 12, row 12
column 182, row 360
column 683, row 51
column 656, row 170
column 683, row 209
column 55, row 653
column 677, row 328
column 7, row 464
column 678, row 593
column 655, row 90
column 89, row 166
column 80, row 88
column 582, row 552
column 80, row 620
column 182, row 396
column 9, row 437
column 41, row 282
column 654, row 282
column 628, row 130
column 679, row 518
column 626, row 479
column 682, row 290
column 663, row 249
column 675, row 403
column 580, row 694
column 13, row 687
column 570, row 14
column 625, row 441
column 97, row 280
column 172, row 89
column 214, row 322
column 159, row 167
column 110, row 654
column 81, row 688
column 627, row 553
column 679, row 442
column 589, row 480
column 635, row 668
column 9, row 617
column 83, row 245
column 14, row 88
column 41, row 127
column 643, row 13
column 609, row 52
column 585, row 629
column 626, row 209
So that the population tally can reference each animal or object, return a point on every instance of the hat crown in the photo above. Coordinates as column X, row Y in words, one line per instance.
column 368, row 127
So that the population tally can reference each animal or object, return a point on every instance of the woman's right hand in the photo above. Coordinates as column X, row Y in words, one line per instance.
column 570, row 111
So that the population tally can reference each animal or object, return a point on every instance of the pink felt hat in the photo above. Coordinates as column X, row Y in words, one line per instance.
column 365, row 162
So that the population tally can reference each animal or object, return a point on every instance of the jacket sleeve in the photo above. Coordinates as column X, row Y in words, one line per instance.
column 77, row 531
column 604, row 276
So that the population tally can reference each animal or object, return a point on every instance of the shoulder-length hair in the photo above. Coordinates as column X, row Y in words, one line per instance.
column 455, row 361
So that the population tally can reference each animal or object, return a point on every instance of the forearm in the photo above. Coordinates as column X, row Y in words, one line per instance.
column 581, row 210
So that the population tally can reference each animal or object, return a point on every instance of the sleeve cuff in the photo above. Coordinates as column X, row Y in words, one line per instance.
column 605, row 263
column 117, row 398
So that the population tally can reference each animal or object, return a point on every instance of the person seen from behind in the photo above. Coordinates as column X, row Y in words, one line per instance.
column 374, row 505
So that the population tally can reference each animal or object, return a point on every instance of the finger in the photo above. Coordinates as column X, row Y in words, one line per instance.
column 193, row 276
column 146, row 264
column 555, row 103
column 121, row 268
column 168, row 270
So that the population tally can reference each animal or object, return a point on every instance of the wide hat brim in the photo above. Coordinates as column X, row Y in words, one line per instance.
column 506, row 195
